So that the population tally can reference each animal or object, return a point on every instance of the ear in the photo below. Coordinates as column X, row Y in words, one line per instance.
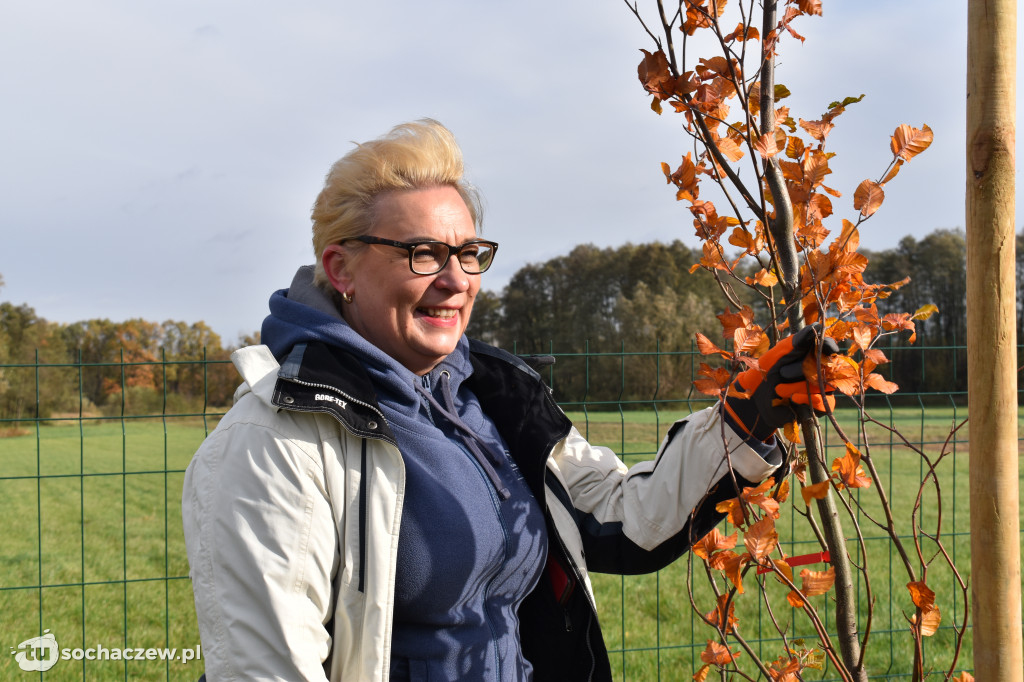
column 336, row 262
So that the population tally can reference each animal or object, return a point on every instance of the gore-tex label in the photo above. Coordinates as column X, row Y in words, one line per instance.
column 330, row 398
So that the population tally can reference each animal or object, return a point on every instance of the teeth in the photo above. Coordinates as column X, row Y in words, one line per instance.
column 443, row 313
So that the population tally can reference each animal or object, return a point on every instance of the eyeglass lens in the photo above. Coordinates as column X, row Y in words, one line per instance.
column 430, row 258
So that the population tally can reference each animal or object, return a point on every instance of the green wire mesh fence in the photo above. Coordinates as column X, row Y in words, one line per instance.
column 94, row 579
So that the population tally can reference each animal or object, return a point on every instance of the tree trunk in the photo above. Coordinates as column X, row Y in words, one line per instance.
column 781, row 228
column 991, row 339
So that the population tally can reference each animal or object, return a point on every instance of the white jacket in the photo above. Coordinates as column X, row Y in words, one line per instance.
column 292, row 509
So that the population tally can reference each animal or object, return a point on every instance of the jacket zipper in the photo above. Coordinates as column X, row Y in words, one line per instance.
column 334, row 389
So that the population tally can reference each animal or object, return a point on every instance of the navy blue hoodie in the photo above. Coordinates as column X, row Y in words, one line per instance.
column 473, row 540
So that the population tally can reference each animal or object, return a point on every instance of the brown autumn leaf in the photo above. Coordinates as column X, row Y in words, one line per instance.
column 964, row 677
column 716, row 382
column 722, row 617
column 815, row 168
column 925, row 311
column 893, row 171
column 702, row 674
column 767, row 146
column 761, row 539
column 714, row 542
column 731, row 564
column 782, row 494
column 868, row 197
column 851, row 473
column 794, row 147
column 907, row 142
column 843, row 372
column 750, row 242
column 707, row 347
column 809, row 6
column 819, row 130
column 922, row 596
column 654, row 74
column 930, row 621
column 815, row 491
column 880, row 383
column 718, row 654
column 862, row 335
column 763, row 278
column 819, row 207
column 732, row 509
column 795, row 599
column 730, row 148
column 760, row 497
column 785, row 669
column 731, row 321
column 751, row 341
column 743, row 33
column 817, row 582
column 791, row 430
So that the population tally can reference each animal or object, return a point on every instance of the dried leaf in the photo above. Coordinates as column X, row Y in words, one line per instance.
column 815, row 491
column 718, row 654
column 732, row 509
column 817, row 582
column 921, row 594
column 851, row 473
column 702, row 674
column 654, row 74
column 930, row 621
column 761, row 539
column 791, row 431
column 893, row 171
column 868, row 197
column 819, row 130
column 730, row 148
column 716, row 382
column 908, row 142
column 707, row 347
column 751, row 341
column 880, row 383
column 794, row 147
column 767, row 146
column 722, row 617
column 714, row 542
column 924, row 312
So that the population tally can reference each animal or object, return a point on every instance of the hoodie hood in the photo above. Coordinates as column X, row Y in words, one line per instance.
column 436, row 402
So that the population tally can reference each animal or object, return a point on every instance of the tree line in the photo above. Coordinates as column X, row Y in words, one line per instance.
column 586, row 306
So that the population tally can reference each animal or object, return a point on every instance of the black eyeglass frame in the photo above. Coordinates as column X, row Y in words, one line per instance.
column 412, row 246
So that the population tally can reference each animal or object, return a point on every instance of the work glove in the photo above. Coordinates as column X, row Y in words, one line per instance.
column 761, row 400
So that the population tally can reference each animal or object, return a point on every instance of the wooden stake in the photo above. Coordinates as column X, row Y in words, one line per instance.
column 991, row 340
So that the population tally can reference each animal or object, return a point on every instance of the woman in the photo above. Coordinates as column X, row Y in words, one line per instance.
column 388, row 499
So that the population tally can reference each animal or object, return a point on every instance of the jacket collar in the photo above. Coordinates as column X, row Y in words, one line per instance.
column 314, row 377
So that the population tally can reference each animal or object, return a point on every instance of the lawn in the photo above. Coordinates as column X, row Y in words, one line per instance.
column 92, row 550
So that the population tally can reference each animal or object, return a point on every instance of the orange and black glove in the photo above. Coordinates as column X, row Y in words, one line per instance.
column 779, row 384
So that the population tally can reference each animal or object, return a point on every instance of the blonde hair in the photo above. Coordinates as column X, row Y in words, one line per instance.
column 413, row 155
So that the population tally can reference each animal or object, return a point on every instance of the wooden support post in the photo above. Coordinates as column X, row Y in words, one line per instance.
column 991, row 340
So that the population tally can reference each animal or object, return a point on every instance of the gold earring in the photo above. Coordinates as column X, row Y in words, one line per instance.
column 346, row 296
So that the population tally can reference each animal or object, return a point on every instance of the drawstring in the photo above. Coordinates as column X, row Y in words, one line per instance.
column 472, row 441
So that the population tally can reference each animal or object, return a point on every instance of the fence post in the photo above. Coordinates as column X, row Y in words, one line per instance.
column 991, row 342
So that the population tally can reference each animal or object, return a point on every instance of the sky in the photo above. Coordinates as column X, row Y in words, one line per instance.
column 160, row 159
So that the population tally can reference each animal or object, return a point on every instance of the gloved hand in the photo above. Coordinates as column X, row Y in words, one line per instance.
column 779, row 384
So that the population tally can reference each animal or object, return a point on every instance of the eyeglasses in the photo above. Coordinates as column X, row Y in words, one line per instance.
column 431, row 257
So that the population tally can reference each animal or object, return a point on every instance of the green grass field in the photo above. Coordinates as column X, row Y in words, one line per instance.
column 92, row 550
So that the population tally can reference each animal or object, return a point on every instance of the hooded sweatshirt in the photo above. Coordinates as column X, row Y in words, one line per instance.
column 473, row 539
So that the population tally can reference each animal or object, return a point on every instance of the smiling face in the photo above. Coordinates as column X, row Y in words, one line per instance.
column 416, row 319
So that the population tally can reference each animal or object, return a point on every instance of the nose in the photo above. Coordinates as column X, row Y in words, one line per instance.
column 452, row 277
